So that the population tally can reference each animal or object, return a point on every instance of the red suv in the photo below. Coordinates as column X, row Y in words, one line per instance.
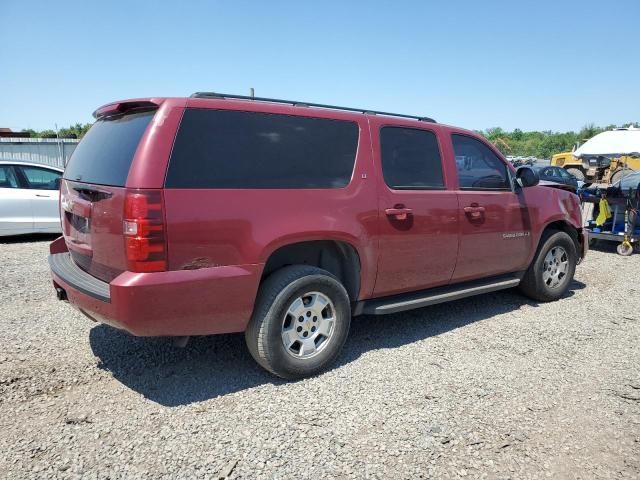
column 220, row 213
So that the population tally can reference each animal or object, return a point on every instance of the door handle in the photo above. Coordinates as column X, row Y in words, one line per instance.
column 474, row 212
column 398, row 212
column 43, row 196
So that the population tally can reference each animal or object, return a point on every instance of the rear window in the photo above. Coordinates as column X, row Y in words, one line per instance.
column 105, row 153
column 231, row 149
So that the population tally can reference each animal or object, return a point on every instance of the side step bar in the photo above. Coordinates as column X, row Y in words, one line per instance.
column 408, row 301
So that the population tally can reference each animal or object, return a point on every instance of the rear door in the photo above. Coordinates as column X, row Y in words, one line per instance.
column 93, row 192
column 15, row 208
column 495, row 228
column 418, row 215
column 43, row 185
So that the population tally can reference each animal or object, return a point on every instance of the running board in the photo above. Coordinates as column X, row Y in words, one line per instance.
column 424, row 298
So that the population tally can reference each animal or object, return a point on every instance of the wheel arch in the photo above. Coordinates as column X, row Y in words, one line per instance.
column 338, row 257
column 568, row 228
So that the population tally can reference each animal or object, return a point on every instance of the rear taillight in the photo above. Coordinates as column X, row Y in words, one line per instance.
column 62, row 198
column 144, row 233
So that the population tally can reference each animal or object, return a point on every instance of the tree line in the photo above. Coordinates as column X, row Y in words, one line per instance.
column 517, row 143
column 74, row 131
column 542, row 144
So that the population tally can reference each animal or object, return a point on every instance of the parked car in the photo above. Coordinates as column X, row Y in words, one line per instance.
column 557, row 177
column 217, row 214
column 29, row 198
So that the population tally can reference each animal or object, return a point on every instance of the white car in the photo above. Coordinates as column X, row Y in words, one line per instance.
column 29, row 198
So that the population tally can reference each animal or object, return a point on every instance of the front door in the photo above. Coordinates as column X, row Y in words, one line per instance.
column 495, row 229
column 418, row 216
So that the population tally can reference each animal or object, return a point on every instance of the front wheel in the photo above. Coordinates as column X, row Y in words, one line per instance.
column 550, row 274
column 300, row 322
column 576, row 172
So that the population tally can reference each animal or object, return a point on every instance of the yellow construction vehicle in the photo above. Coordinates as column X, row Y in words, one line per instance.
column 605, row 158
column 596, row 170
column 621, row 167
column 571, row 164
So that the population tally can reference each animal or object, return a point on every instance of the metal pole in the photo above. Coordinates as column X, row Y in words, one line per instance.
column 60, row 151
column 252, row 92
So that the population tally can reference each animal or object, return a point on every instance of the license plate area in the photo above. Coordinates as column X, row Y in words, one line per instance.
column 79, row 224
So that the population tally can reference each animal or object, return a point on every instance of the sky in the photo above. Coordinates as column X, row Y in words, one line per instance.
column 545, row 65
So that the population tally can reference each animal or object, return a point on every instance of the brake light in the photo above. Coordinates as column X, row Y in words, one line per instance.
column 62, row 198
column 144, row 233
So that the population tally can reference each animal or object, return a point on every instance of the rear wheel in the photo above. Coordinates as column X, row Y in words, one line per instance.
column 552, row 269
column 576, row 172
column 300, row 322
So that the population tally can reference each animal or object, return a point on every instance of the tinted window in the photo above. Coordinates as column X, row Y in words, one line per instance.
column 478, row 167
column 229, row 149
column 564, row 174
column 105, row 153
column 41, row 179
column 410, row 158
column 7, row 177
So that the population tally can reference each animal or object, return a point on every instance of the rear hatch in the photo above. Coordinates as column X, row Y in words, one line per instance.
column 92, row 193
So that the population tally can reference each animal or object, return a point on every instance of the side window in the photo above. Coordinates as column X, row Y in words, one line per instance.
column 41, row 179
column 234, row 149
column 410, row 158
column 563, row 173
column 478, row 167
column 7, row 177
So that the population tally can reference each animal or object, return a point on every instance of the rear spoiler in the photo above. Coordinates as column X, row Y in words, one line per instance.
column 122, row 107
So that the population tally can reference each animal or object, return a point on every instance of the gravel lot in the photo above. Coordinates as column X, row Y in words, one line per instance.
column 490, row 387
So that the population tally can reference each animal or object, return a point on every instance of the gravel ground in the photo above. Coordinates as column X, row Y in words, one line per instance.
column 489, row 387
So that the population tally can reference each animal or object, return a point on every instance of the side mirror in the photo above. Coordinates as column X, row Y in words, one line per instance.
column 527, row 177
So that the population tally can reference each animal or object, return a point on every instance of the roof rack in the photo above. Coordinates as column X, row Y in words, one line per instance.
column 307, row 104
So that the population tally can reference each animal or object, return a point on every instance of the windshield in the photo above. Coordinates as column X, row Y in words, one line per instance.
column 630, row 181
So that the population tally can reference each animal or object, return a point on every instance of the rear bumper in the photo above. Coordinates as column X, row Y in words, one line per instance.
column 174, row 303
column 63, row 267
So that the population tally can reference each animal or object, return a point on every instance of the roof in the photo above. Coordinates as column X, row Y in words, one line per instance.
column 276, row 106
column 216, row 95
column 7, row 132
column 31, row 164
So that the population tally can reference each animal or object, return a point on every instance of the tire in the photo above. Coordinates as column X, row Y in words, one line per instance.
column 298, row 288
column 539, row 280
column 624, row 249
column 576, row 172
column 619, row 175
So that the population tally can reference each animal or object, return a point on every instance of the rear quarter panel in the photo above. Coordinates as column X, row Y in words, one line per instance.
column 217, row 227
column 149, row 165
